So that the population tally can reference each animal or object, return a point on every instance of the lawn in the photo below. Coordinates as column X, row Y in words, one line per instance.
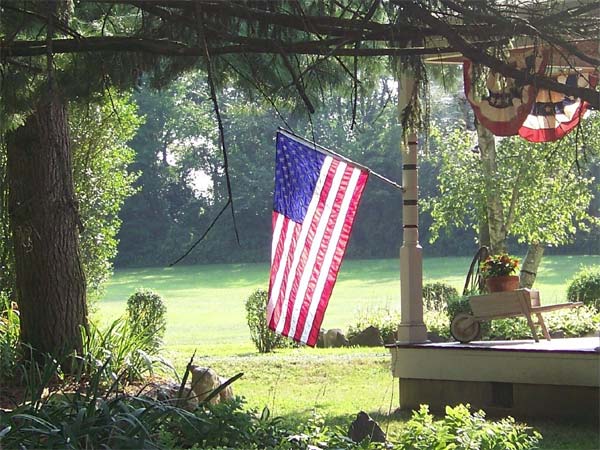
column 206, row 313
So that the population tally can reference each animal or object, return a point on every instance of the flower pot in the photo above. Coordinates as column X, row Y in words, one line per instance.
column 501, row 284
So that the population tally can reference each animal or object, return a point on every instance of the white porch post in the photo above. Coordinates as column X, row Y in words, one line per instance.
column 411, row 328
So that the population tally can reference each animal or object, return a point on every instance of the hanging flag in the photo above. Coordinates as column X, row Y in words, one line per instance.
column 554, row 114
column 315, row 201
column 503, row 104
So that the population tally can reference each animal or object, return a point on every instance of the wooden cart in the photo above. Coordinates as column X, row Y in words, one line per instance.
column 500, row 305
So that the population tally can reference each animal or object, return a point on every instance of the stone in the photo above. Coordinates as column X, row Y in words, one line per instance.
column 205, row 380
column 334, row 338
column 365, row 427
column 434, row 337
column 369, row 337
column 558, row 334
column 321, row 339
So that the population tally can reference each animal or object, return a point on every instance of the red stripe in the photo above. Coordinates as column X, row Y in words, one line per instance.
column 337, row 260
column 553, row 134
column 278, row 252
column 295, row 230
column 314, row 223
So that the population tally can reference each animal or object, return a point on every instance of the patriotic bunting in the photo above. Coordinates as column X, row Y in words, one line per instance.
column 506, row 104
column 315, row 201
column 554, row 114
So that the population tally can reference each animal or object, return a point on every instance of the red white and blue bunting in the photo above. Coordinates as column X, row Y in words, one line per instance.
column 505, row 105
column 553, row 114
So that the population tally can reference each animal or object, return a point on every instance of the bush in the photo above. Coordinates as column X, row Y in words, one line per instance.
column 146, row 312
column 585, row 287
column 436, row 296
column 462, row 430
column 385, row 319
column 9, row 337
column 122, row 347
column 264, row 338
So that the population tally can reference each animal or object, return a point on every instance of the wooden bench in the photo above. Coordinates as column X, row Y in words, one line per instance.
column 501, row 305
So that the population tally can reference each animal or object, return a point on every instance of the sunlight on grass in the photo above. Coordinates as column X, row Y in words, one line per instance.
column 205, row 313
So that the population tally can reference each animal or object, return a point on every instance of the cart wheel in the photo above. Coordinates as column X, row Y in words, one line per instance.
column 465, row 328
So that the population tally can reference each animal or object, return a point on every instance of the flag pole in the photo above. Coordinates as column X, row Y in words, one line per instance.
column 328, row 152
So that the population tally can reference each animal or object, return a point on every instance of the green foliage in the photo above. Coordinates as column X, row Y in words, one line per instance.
column 436, row 296
column 383, row 318
column 544, row 199
column 458, row 305
column 146, row 312
column 461, row 429
column 264, row 339
column 125, row 349
column 9, row 337
column 437, row 322
column 100, row 131
column 585, row 287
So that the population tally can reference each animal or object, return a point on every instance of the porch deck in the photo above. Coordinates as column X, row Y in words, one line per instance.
column 558, row 378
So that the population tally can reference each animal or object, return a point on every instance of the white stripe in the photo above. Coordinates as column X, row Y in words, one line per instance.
column 316, row 245
column 276, row 236
column 312, row 206
column 335, row 236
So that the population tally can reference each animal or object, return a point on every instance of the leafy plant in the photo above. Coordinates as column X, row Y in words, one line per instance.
column 436, row 295
column 9, row 337
column 122, row 348
column 461, row 429
column 585, row 286
column 385, row 319
column 146, row 312
column 264, row 338
column 500, row 265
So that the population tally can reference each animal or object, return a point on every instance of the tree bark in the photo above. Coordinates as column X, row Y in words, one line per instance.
column 495, row 212
column 44, row 220
column 530, row 265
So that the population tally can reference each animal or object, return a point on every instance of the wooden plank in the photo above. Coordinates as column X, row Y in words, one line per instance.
column 540, row 309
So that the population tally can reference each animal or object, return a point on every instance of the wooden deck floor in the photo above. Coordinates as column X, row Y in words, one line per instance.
column 569, row 345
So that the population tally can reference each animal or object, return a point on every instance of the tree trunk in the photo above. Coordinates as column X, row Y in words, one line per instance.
column 495, row 212
column 530, row 265
column 44, row 220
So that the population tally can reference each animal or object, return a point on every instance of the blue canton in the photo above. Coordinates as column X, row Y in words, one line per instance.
column 297, row 169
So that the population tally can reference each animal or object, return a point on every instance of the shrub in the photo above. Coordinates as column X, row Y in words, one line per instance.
column 264, row 339
column 585, row 287
column 436, row 295
column 146, row 314
column 457, row 305
column 122, row 347
column 385, row 319
column 460, row 429
column 437, row 322
column 9, row 337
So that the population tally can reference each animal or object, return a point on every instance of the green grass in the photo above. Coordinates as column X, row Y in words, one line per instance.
column 206, row 313
column 205, row 304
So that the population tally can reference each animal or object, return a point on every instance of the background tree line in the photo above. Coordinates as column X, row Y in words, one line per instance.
column 181, row 186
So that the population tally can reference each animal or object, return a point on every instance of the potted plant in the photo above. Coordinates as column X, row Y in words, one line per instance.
column 499, row 272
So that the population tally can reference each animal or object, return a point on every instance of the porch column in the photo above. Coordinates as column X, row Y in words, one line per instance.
column 411, row 328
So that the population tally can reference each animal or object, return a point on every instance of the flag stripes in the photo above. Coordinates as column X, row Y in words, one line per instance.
column 306, row 256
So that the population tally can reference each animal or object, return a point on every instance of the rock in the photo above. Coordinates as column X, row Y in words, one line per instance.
column 334, row 338
column 434, row 337
column 558, row 334
column 205, row 380
column 169, row 393
column 321, row 339
column 365, row 427
column 369, row 337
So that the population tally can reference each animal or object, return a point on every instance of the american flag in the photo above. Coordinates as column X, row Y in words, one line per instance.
column 315, row 201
